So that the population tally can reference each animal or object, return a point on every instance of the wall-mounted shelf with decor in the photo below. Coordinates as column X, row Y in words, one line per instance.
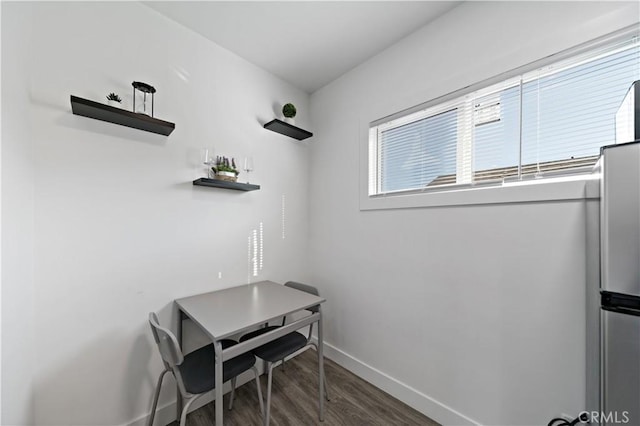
column 91, row 109
column 287, row 129
column 216, row 183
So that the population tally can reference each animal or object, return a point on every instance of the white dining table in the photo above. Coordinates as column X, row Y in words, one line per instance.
column 225, row 313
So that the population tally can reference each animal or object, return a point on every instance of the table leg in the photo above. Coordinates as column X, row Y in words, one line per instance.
column 179, row 401
column 320, row 365
column 218, row 369
column 265, row 370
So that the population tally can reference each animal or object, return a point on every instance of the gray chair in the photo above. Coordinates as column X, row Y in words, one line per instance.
column 195, row 372
column 286, row 347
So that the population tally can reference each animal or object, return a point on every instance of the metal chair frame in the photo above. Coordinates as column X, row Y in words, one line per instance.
column 271, row 365
column 172, row 357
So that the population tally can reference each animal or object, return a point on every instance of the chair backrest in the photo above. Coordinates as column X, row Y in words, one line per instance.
column 307, row 289
column 167, row 343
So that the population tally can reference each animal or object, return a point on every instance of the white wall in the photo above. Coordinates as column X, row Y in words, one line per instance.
column 17, row 188
column 472, row 314
column 100, row 223
column 115, row 228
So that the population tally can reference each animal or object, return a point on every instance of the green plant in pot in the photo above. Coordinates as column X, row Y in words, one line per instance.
column 289, row 112
column 225, row 169
column 114, row 100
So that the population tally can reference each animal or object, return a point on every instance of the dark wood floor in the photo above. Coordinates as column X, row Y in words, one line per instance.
column 294, row 401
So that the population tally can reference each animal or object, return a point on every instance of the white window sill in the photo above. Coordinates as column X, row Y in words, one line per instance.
column 551, row 189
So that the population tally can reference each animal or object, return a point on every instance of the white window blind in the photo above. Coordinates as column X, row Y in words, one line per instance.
column 496, row 142
column 414, row 154
column 553, row 119
column 569, row 109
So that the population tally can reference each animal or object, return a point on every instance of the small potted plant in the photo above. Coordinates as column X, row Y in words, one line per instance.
column 289, row 112
column 114, row 100
column 225, row 169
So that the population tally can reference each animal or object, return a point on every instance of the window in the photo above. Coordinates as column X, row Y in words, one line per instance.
column 541, row 123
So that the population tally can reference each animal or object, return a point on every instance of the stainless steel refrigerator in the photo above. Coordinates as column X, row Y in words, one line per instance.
column 620, row 268
column 620, row 284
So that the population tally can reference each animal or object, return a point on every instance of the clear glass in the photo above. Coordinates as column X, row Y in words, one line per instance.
column 208, row 159
column 569, row 114
column 496, row 134
column 247, row 166
column 143, row 103
column 419, row 154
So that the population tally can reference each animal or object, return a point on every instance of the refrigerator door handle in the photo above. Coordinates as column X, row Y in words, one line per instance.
column 621, row 303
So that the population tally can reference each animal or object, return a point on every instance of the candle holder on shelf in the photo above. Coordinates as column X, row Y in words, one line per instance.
column 140, row 92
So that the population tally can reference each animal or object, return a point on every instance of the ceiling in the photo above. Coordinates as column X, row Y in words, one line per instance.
column 306, row 43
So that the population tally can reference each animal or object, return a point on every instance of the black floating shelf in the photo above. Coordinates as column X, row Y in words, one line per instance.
column 287, row 129
column 226, row 184
column 91, row 109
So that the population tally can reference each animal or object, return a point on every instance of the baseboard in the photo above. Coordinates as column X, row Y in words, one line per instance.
column 417, row 400
column 412, row 397
column 167, row 413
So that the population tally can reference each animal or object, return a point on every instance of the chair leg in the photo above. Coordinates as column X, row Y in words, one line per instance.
column 326, row 388
column 155, row 398
column 324, row 377
column 268, row 403
column 260, row 400
column 233, row 392
column 185, row 410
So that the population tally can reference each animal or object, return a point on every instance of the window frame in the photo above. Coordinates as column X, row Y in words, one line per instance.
column 565, row 185
column 402, row 121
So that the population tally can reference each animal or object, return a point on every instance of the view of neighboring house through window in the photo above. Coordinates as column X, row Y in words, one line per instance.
column 533, row 125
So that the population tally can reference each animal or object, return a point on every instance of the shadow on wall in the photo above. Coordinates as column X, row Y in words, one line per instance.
column 103, row 128
column 277, row 113
column 277, row 110
column 64, row 117
column 141, row 356
column 101, row 383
